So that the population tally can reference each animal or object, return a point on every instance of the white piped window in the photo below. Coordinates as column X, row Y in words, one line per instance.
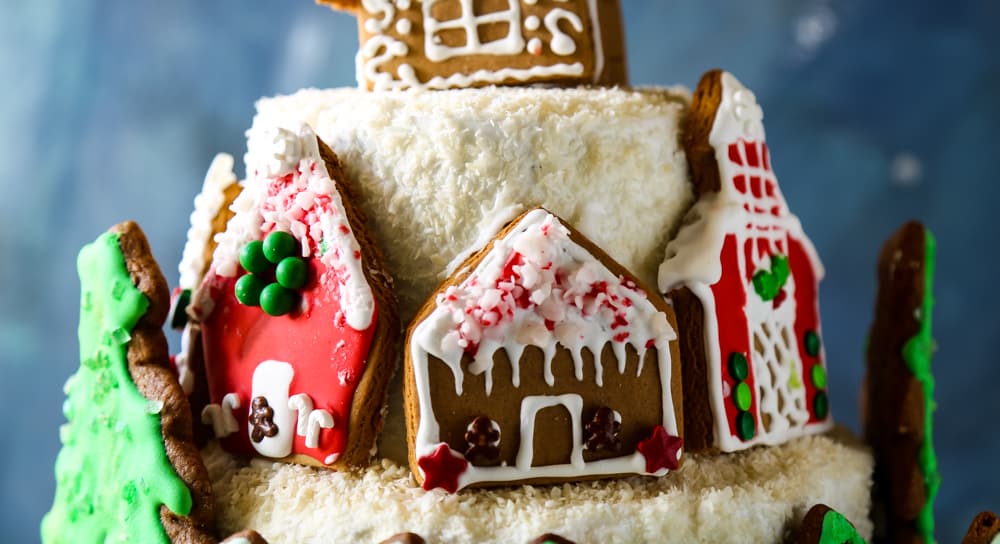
column 470, row 23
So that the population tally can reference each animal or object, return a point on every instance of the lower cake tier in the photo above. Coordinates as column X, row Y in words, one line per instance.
column 758, row 495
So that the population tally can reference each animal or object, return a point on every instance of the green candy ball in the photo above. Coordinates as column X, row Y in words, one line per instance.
column 252, row 258
column 279, row 245
column 276, row 301
column 292, row 273
column 248, row 290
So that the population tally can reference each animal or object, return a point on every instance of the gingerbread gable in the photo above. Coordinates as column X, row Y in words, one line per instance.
column 289, row 350
column 440, row 44
column 745, row 276
column 542, row 360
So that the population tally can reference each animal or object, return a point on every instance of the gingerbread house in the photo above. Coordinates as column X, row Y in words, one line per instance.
column 293, row 321
column 441, row 44
column 744, row 278
column 542, row 360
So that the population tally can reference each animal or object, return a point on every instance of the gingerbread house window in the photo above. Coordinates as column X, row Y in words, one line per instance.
column 494, row 30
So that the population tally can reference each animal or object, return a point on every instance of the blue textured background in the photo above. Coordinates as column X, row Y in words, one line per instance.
column 877, row 111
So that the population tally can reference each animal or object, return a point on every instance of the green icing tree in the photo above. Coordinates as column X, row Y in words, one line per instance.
column 917, row 353
column 837, row 530
column 113, row 473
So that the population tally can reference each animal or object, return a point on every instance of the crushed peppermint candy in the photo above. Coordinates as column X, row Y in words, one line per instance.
column 538, row 287
column 289, row 189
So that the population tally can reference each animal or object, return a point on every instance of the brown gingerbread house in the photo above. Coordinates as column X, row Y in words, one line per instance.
column 542, row 360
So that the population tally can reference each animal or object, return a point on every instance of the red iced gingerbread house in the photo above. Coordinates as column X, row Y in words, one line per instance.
column 744, row 277
column 542, row 360
column 291, row 315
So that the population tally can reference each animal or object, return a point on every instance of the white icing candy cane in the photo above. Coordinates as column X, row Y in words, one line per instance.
column 221, row 417
column 318, row 419
column 303, row 405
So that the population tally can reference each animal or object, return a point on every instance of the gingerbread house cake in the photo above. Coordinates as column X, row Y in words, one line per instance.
column 493, row 294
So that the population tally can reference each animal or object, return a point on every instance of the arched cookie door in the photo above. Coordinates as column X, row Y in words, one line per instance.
column 530, row 406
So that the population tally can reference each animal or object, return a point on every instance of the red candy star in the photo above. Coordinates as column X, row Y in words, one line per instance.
column 442, row 469
column 660, row 450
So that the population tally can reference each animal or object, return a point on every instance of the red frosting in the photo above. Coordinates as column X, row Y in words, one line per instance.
column 327, row 355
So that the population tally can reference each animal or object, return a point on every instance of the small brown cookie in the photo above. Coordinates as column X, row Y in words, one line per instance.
column 407, row 45
column 245, row 537
column 985, row 529
column 823, row 525
column 744, row 279
column 404, row 538
column 299, row 323
column 541, row 326
column 129, row 421
column 899, row 384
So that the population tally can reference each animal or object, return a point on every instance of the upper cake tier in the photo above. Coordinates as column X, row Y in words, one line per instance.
column 440, row 172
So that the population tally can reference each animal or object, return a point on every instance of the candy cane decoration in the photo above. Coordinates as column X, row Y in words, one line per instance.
column 317, row 419
column 221, row 418
column 304, row 406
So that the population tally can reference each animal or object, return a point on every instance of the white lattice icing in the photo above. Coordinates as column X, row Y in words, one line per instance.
column 207, row 205
column 538, row 287
column 289, row 189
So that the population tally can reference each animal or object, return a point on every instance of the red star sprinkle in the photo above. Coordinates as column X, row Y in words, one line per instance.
column 660, row 450
column 442, row 469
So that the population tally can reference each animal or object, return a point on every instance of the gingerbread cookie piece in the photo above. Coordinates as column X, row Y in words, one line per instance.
column 985, row 529
column 744, row 280
column 441, row 44
column 212, row 212
column 298, row 320
column 823, row 525
column 900, row 389
column 128, row 469
column 541, row 360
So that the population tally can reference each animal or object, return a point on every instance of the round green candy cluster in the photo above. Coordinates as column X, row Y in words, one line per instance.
column 739, row 370
column 274, row 257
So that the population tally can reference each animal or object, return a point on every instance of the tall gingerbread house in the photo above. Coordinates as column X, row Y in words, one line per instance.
column 744, row 278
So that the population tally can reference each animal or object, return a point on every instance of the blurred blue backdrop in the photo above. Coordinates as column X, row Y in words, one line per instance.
column 877, row 111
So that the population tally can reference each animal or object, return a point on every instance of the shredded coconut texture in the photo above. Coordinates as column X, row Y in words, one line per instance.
column 436, row 169
column 757, row 495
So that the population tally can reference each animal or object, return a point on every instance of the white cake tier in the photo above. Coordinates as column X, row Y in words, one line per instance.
column 440, row 172
column 756, row 495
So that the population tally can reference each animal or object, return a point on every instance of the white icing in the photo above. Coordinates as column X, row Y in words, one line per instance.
column 530, row 406
column 469, row 23
column 562, row 44
column 331, row 459
column 694, row 260
column 404, row 26
column 271, row 380
column 380, row 49
column 220, row 416
column 303, row 406
column 236, row 540
column 289, row 189
column 537, row 287
column 207, row 206
column 318, row 419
